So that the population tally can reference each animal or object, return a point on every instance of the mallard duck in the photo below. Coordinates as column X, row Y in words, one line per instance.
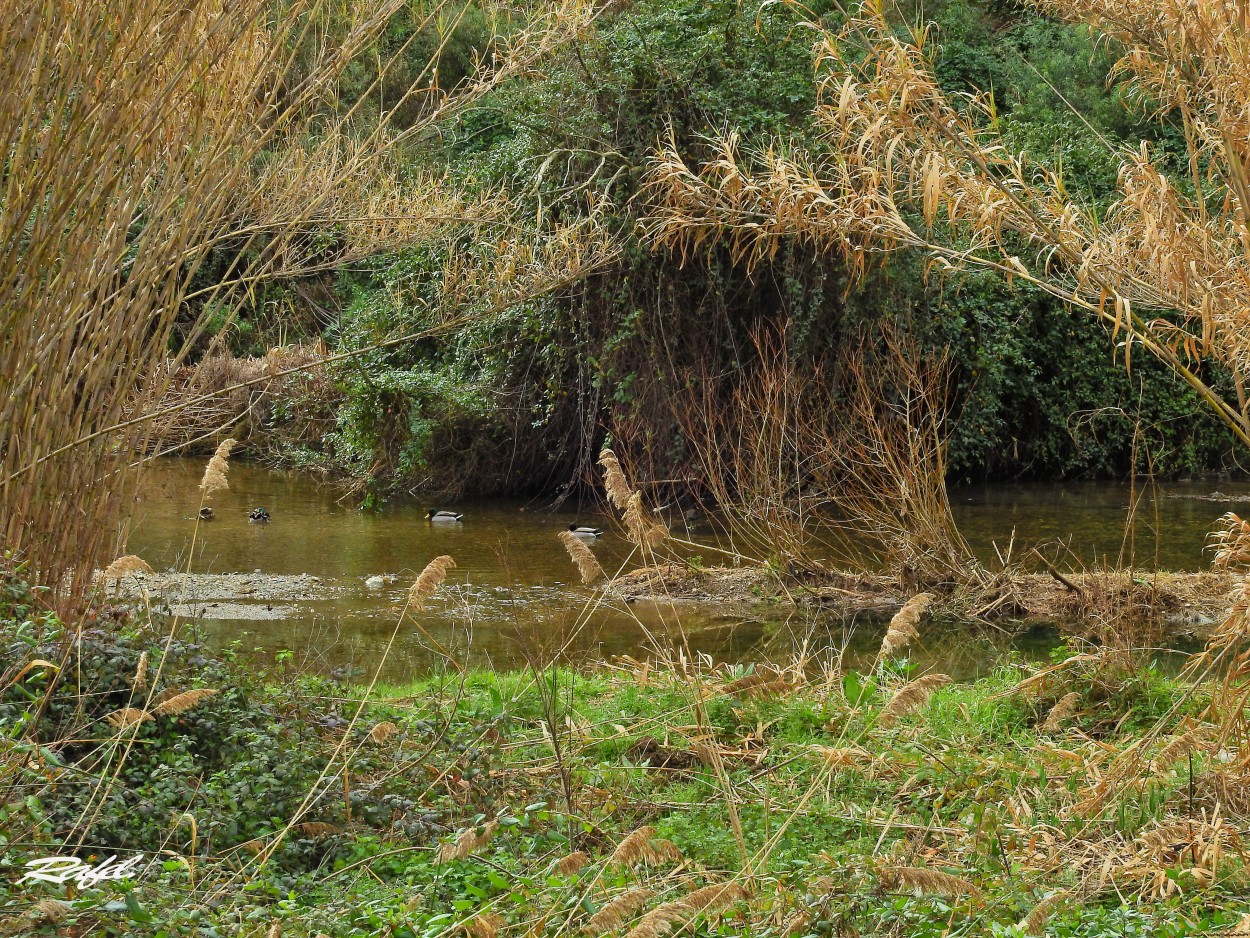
column 258, row 514
column 206, row 514
column 439, row 515
column 587, row 532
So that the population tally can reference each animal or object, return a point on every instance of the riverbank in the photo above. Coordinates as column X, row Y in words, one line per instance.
column 1096, row 795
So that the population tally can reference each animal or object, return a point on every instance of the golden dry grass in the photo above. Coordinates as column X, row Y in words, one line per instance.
column 582, row 556
column 429, row 580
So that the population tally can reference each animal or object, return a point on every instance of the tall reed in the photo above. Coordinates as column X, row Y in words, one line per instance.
column 141, row 138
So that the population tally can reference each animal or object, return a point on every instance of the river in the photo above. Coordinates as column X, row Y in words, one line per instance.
column 514, row 598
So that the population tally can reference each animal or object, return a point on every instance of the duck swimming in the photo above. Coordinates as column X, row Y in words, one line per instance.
column 258, row 514
column 206, row 514
column 444, row 516
column 586, row 532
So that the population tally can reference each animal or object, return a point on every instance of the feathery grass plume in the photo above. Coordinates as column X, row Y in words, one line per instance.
column 275, row 930
column 49, row 910
column 317, row 829
column 902, row 631
column 128, row 716
column 382, row 732
column 180, row 703
column 429, row 580
column 912, row 697
column 643, row 531
column 254, row 846
column 128, row 565
column 1240, row 930
column 1230, row 541
column 1063, row 708
column 484, row 925
column 662, row 918
column 140, row 679
column 617, row 912
column 922, row 880
column 1035, row 922
column 614, row 480
column 214, row 480
column 842, row 757
column 567, row 866
column 642, row 846
column 743, row 684
column 469, row 840
column 587, row 564
column 1181, row 746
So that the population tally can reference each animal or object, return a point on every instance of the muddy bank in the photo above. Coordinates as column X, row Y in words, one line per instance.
column 1186, row 603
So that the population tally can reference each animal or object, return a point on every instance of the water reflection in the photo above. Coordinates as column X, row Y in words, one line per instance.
column 514, row 594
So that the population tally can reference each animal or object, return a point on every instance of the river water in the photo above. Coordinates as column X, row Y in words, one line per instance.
column 514, row 597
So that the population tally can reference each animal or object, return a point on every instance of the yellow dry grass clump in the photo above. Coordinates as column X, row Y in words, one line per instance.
column 925, row 881
column 1060, row 712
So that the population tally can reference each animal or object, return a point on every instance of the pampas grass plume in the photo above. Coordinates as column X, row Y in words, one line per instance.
column 180, row 703
column 582, row 556
column 429, row 580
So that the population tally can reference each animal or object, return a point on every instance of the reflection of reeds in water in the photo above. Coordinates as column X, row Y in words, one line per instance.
column 429, row 580
column 581, row 555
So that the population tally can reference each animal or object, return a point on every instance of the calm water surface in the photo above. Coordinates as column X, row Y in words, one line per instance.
column 514, row 595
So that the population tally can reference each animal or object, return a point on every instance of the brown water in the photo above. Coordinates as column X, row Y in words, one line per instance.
column 515, row 596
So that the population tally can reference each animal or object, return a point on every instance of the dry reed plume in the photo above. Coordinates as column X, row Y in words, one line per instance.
column 484, row 925
column 642, row 846
column 182, row 702
column 381, row 732
column 1060, row 712
column 1035, row 922
column 129, row 565
column 216, row 471
column 902, row 631
column 617, row 912
column 921, row 880
column 582, row 556
column 128, row 716
column 911, row 698
column 663, row 918
column 844, row 757
column 614, row 483
column 469, row 840
column 571, row 863
column 140, row 680
column 429, row 580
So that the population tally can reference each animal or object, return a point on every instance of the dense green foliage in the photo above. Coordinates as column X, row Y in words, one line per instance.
column 522, row 401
